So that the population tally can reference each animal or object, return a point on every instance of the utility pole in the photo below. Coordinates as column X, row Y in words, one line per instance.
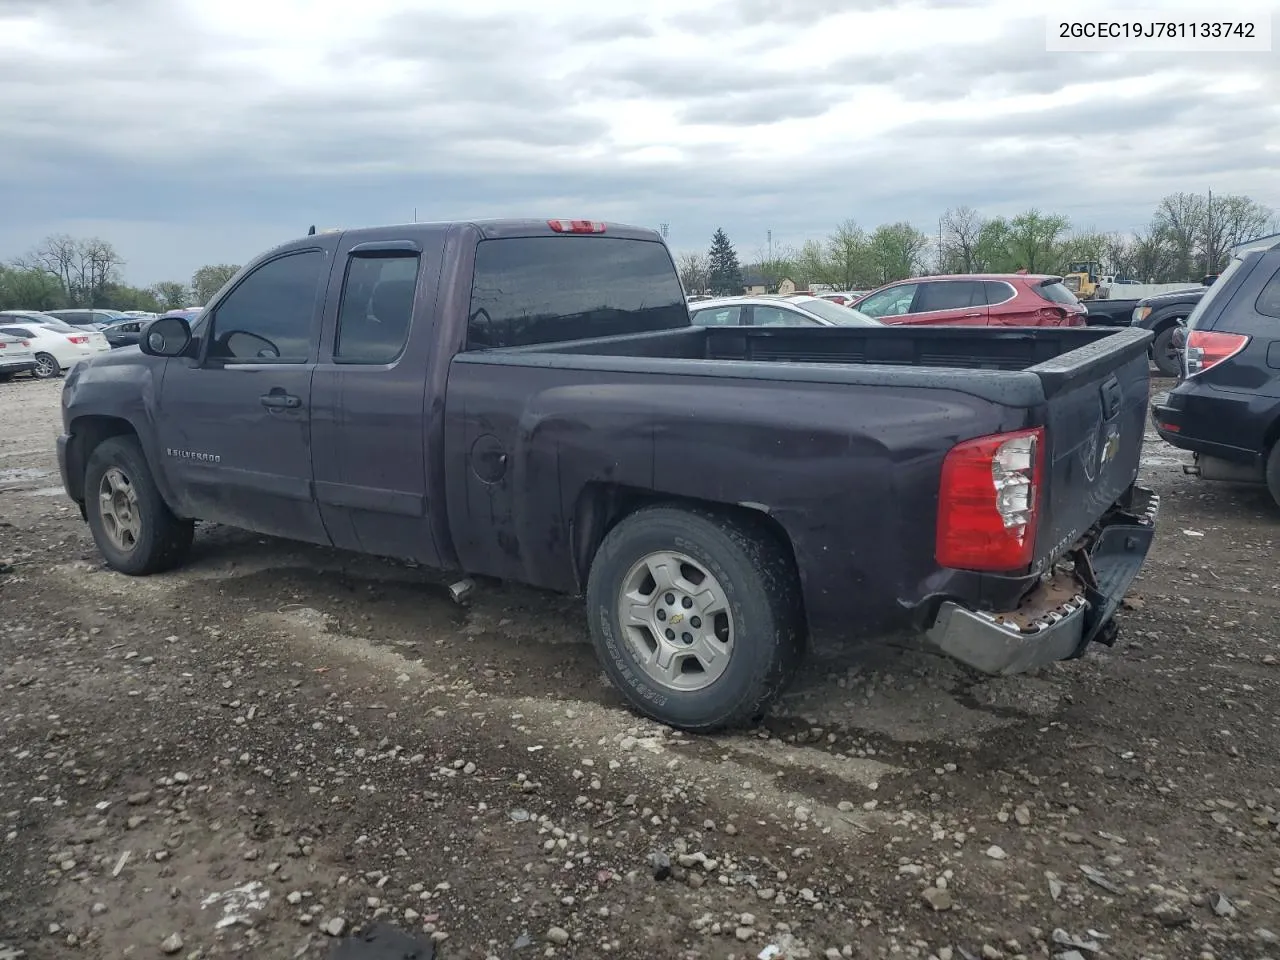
column 769, row 234
column 939, row 244
column 664, row 229
column 1211, row 259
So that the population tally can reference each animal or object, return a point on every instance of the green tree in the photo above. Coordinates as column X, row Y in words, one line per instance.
column 1033, row 239
column 849, row 257
column 82, row 268
column 895, row 251
column 813, row 264
column 961, row 231
column 29, row 289
column 121, row 296
column 209, row 279
column 171, row 295
column 723, row 269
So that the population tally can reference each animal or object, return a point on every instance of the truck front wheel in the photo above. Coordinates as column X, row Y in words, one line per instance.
column 696, row 617
column 134, row 528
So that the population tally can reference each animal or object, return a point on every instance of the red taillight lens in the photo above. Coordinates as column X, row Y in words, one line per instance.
column 1206, row 349
column 77, row 339
column 3, row 346
column 988, row 502
column 26, row 343
column 576, row 226
column 1052, row 315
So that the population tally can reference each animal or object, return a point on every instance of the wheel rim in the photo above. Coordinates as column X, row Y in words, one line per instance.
column 118, row 505
column 45, row 365
column 676, row 620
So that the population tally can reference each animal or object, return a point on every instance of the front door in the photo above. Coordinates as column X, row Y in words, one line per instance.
column 369, row 414
column 235, row 423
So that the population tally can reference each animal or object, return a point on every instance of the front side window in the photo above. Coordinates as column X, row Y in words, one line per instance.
column 531, row 290
column 377, row 305
column 268, row 316
column 893, row 302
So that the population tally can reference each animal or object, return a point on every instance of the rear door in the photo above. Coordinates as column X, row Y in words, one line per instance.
column 235, row 423
column 369, row 412
column 961, row 302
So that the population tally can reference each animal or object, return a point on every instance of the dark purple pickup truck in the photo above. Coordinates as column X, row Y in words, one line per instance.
column 527, row 400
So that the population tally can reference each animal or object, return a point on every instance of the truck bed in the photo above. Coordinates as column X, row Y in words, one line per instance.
column 963, row 358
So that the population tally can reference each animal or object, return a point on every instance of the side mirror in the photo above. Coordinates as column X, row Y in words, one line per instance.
column 165, row 337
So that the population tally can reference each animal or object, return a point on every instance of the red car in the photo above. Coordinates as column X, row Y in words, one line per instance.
column 980, row 299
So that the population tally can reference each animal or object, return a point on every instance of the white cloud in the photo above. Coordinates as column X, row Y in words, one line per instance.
column 752, row 114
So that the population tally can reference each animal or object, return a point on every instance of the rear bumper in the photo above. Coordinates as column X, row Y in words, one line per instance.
column 1067, row 611
column 1180, row 422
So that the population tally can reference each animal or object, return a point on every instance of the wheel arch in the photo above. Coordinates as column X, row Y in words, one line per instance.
column 86, row 433
column 602, row 506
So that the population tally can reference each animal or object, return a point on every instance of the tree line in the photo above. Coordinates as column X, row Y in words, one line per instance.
column 1189, row 236
column 64, row 272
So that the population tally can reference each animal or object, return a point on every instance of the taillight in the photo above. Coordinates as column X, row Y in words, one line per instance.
column 988, row 502
column 77, row 339
column 1206, row 349
column 576, row 226
column 1051, row 315
column 25, row 343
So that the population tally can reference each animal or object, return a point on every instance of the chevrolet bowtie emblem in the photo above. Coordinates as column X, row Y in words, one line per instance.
column 677, row 617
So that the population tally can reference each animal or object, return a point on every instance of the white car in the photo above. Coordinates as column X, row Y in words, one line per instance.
column 56, row 349
column 795, row 310
column 16, row 356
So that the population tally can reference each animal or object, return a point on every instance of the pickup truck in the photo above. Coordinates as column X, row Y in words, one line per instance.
column 1111, row 313
column 1165, row 315
column 528, row 401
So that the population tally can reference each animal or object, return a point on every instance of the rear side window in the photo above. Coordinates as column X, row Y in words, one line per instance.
column 998, row 291
column 377, row 305
column 1056, row 292
column 1213, row 292
column 547, row 289
column 949, row 295
column 1269, row 300
column 16, row 332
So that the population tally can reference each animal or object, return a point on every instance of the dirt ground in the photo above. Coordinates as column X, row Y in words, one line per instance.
column 281, row 743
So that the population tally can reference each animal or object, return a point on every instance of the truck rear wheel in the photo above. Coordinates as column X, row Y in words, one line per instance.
column 696, row 617
column 1167, row 357
column 134, row 528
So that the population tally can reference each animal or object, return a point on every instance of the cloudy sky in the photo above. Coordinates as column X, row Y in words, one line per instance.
column 193, row 132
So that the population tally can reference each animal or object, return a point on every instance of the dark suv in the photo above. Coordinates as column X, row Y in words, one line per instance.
column 1226, row 407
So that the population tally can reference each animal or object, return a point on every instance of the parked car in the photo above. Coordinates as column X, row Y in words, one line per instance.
column 1226, row 407
column 796, row 310
column 527, row 400
column 16, row 356
column 56, row 350
column 995, row 300
column 35, row 316
column 124, row 333
column 1165, row 315
column 88, row 318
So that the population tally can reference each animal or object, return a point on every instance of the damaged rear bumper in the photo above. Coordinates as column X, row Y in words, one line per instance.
column 1068, row 610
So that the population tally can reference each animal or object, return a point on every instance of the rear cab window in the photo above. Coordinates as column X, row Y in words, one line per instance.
column 530, row 290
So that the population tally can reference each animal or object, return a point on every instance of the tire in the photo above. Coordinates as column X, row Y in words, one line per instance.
column 1167, row 358
column 5, row 377
column 158, row 540
column 47, row 367
column 1273, row 473
column 757, row 611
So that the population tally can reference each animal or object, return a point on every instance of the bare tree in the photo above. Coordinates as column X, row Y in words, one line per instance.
column 83, row 268
column 695, row 275
column 961, row 229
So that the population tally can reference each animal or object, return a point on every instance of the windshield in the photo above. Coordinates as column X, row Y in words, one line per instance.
column 1212, row 292
column 845, row 316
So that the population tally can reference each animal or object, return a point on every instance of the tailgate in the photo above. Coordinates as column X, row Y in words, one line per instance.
column 1095, row 417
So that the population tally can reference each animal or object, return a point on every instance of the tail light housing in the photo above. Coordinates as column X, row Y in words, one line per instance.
column 989, row 502
column 1051, row 315
column 1207, row 348
column 77, row 338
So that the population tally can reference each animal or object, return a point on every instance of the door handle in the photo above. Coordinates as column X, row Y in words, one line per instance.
column 280, row 400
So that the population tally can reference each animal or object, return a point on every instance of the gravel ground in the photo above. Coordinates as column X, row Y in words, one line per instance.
column 279, row 744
